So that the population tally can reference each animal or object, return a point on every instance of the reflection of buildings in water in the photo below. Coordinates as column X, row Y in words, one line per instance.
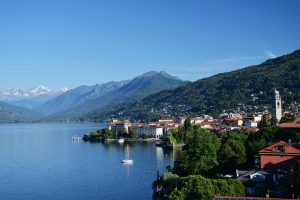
column 159, row 154
column 164, row 157
column 127, row 151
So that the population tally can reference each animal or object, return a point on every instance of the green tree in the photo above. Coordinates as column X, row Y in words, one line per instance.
column 193, row 187
column 187, row 124
column 107, row 133
column 288, row 117
column 297, row 178
column 269, row 133
column 132, row 133
column 263, row 122
column 170, row 139
column 199, row 154
column 198, row 187
column 232, row 154
column 274, row 121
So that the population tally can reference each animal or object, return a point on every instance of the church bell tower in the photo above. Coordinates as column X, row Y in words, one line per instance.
column 277, row 110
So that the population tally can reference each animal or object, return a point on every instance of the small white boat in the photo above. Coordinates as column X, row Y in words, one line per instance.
column 127, row 161
column 121, row 140
column 76, row 138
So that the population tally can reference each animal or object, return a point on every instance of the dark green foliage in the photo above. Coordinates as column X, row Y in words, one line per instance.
column 288, row 117
column 170, row 139
column 132, row 133
column 198, row 187
column 264, row 121
column 187, row 124
column 297, row 179
column 269, row 134
column 232, row 152
column 225, row 91
column 273, row 120
column 168, row 182
column 106, row 133
column 199, row 155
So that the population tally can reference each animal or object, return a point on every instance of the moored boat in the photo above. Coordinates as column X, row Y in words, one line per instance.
column 127, row 161
column 121, row 140
column 76, row 137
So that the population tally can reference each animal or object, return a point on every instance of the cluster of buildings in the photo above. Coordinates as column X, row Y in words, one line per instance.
column 157, row 129
column 226, row 122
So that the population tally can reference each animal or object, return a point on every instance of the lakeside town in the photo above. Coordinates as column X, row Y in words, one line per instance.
column 272, row 171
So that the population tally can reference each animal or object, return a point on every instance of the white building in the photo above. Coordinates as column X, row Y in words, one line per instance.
column 235, row 115
column 197, row 120
column 276, row 106
column 250, row 124
column 150, row 131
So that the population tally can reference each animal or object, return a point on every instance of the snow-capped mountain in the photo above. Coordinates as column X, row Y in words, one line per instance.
column 30, row 98
column 40, row 90
column 27, row 93
column 62, row 89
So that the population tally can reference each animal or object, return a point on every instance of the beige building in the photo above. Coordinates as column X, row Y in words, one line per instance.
column 117, row 126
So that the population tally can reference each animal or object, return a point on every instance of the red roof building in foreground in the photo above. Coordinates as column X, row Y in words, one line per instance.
column 279, row 156
column 246, row 198
column 291, row 125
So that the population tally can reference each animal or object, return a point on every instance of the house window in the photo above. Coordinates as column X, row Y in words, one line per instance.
column 280, row 149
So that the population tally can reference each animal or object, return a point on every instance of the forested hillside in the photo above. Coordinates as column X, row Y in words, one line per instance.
column 248, row 89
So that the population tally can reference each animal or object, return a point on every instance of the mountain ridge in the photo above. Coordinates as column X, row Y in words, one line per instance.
column 77, row 96
column 243, row 89
column 11, row 113
column 134, row 89
column 30, row 98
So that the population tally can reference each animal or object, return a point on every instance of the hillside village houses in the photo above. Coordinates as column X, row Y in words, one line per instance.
column 160, row 128
column 225, row 123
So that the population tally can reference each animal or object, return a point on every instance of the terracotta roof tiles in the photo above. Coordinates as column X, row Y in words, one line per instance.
column 287, row 149
column 289, row 125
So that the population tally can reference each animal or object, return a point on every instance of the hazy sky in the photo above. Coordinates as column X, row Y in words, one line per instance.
column 75, row 42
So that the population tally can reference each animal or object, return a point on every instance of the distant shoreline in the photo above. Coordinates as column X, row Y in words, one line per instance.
column 126, row 139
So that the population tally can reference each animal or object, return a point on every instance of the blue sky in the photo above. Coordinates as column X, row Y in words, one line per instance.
column 76, row 42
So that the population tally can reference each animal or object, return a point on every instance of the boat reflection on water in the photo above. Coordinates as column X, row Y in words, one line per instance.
column 127, row 159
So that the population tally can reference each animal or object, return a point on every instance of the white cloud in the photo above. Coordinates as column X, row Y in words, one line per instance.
column 270, row 54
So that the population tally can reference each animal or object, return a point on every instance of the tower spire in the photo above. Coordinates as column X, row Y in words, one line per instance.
column 276, row 105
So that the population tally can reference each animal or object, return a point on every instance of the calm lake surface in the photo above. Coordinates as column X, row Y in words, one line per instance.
column 41, row 161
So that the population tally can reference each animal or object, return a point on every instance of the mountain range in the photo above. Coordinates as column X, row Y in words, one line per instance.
column 11, row 113
column 158, row 94
column 75, row 102
column 245, row 90
column 84, row 99
column 30, row 98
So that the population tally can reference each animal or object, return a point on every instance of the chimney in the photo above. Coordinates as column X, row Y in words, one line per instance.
column 237, row 173
column 290, row 141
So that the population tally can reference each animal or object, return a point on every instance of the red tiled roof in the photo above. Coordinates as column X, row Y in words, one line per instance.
column 246, row 198
column 274, row 149
column 289, row 125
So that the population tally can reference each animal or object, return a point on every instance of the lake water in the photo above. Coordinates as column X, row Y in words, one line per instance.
column 41, row 161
